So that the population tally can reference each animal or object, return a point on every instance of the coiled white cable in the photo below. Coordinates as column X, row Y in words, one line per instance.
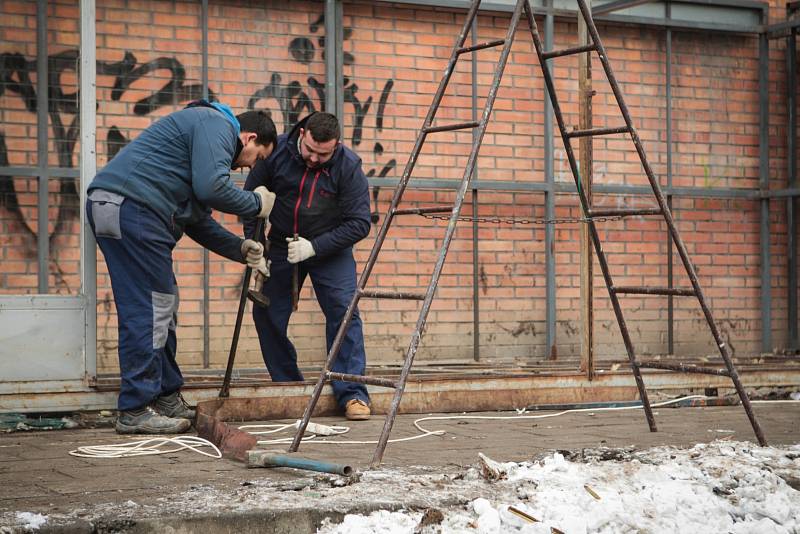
column 147, row 447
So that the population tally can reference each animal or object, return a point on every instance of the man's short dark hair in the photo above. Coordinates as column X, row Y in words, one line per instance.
column 323, row 127
column 259, row 123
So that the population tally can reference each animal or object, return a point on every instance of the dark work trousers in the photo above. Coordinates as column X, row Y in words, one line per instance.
column 334, row 281
column 137, row 247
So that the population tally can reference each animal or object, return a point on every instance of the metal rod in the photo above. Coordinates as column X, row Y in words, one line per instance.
column 584, row 203
column 598, row 131
column 256, row 458
column 622, row 212
column 295, row 281
column 391, row 295
column 480, row 46
column 421, row 211
column 675, row 291
column 683, row 368
column 374, row 381
column 43, row 188
column 450, row 127
column 684, row 254
column 226, row 382
column 586, row 145
column 670, row 253
column 476, row 297
column 398, row 195
column 569, row 51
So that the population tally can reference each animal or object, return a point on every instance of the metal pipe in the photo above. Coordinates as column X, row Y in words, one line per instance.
column 476, row 298
column 206, row 261
column 763, row 183
column 42, row 109
column 791, row 203
column 549, row 198
column 670, row 253
column 256, row 458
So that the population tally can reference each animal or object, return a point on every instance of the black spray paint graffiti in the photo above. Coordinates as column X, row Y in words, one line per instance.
column 293, row 102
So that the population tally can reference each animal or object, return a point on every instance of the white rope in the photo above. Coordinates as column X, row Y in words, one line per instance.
column 312, row 438
column 147, row 447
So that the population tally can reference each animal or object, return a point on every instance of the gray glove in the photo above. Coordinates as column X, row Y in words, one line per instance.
column 267, row 200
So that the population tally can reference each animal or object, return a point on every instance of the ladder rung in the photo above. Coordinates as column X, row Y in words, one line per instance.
column 420, row 211
column 683, row 368
column 480, row 46
column 598, row 131
column 371, row 380
column 449, row 127
column 391, row 295
column 633, row 290
column 623, row 212
column 569, row 51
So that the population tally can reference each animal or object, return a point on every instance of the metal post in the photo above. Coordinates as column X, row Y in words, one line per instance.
column 763, row 183
column 549, row 196
column 334, row 58
column 206, row 264
column 42, row 108
column 476, row 302
column 670, row 273
column 791, row 202
column 88, row 166
column 586, row 161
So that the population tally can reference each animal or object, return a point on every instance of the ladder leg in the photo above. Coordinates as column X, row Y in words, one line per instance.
column 662, row 202
column 451, row 228
column 533, row 27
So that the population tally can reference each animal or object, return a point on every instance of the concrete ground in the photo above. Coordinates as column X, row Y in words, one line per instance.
column 187, row 492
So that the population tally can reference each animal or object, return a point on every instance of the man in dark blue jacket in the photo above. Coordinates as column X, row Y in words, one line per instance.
column 162, row 184
column 322, row 196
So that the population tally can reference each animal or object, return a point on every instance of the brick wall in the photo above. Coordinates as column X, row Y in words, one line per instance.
column 270, row 55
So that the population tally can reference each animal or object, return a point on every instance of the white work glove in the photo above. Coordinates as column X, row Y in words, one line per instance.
column 262, row 268
column 253, row 252
column 299, row 250
column 267, row 200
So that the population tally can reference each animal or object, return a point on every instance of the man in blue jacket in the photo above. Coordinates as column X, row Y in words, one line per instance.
column 322, row 196
column 160, row 186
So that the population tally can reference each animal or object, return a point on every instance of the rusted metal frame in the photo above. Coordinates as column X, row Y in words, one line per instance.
column 680, row 246
column 374, row 381
column 451, row 228
column 384, row 229
column 598, row 131
column 226, row 382
column 584, row 204
column 481, row 46
column 649, row 290
column 683, row 368
column 391, row 295
column 569, row 51
column 622, row 212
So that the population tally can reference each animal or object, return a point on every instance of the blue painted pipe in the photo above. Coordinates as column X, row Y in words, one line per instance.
column 256, row 458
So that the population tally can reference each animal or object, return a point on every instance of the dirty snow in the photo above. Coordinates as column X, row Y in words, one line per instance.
column 719, row 487
column 723, row 486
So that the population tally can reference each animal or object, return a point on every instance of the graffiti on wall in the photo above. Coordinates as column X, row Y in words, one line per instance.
column 292, row 96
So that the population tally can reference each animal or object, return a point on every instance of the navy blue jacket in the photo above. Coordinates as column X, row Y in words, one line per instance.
column 179, row 167
column 328, row 205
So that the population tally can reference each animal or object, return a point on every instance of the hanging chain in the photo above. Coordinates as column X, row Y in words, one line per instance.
column 514, row 220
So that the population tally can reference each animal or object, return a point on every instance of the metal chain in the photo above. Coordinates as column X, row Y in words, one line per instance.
column 514, row 220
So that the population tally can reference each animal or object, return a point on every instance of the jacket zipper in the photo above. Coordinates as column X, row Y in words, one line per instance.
column 313, row 186
column 299, row 199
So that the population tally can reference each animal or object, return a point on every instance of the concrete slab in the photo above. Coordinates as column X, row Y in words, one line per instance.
column 193, row 493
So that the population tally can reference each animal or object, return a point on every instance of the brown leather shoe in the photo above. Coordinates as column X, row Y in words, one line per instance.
column 357, row 410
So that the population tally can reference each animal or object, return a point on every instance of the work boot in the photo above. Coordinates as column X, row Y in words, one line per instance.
column 148, row 421
column 174, row 405
column 356, row 410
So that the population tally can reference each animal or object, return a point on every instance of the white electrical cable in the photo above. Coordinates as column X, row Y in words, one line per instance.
column 147, row 447
column 425, row 433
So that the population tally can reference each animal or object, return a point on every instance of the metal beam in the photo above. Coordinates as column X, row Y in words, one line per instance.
column 616, row 5
column 763, row 183
column 42, row 104
column 206, row 256
column 549, row 199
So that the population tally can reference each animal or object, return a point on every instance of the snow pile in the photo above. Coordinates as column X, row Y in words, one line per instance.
column 719, row 487
column 30, row 521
